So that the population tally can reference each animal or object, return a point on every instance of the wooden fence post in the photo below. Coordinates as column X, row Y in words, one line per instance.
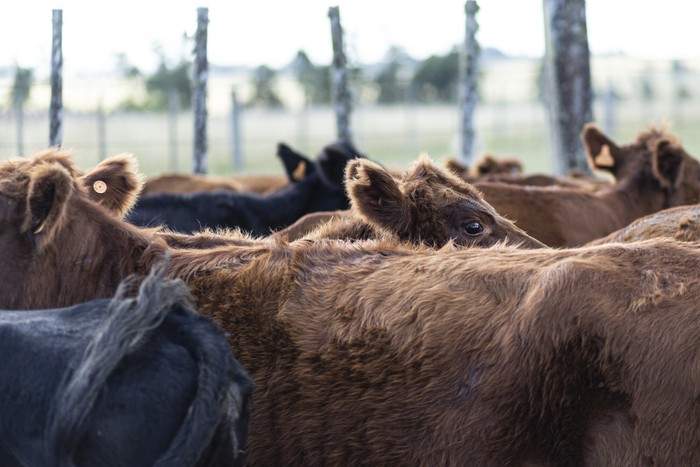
column 199, row 96
column 568, row 82
column 339, row 82
column 56, row 108
column 236, row 152
column 469, row 72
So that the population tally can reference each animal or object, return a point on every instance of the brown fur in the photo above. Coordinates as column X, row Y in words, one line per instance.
column 375, row 353
column 681, row 223
column 310, row 222
column 427, row 204
column 44, row 210
column 652, row 173
column 190, row 183
column 490, row 165
column 574, row 180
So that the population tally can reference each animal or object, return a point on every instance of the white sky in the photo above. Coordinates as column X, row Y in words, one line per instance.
column 254, row 32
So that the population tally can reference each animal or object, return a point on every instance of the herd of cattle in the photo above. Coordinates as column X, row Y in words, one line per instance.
column 349, row 314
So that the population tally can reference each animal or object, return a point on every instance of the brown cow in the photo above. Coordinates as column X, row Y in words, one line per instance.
column 426, row 205
column 376, row 353
column 652, row 173
column 681, row 223
column 190, row 183
column 573, row 180
column 488, row 165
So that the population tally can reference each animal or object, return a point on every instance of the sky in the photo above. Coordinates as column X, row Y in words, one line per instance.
column 270, row 32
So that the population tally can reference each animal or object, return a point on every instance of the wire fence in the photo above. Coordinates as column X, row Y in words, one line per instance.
column 510, row 120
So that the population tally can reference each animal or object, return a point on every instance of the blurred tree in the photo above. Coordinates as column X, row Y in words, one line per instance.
column 21, row 86
column 125, row 67
column 316, row 80
column 19, row 94
column 264, row 93
column 437, row 78
column 391, row 88
column 646, row 88
column 681, row 93
column 167, row 80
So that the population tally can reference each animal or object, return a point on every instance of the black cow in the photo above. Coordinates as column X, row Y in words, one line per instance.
column 320, row 189
column 138, row 381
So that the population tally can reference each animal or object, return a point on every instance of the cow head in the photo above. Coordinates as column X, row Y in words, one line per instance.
column 114, row 183
column 333, row 159
column 323, row 178
column 489, row 165
column 428, row 204
column 36, row 193
column 296, row 165
column 655, row 165
column 676, row 171
column 57, row 245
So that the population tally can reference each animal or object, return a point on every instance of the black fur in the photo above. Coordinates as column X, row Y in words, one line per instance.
column 124, row 381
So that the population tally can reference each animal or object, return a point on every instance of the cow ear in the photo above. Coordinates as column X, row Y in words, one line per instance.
column 114, row 183
column 375, row 195
column 456, row 167
column 296, row 166
column 601, row 151
column 667, row 161
column 50, row 187
column 332, row 162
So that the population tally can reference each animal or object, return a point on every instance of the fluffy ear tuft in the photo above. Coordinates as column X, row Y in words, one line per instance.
column 601, row 151
column 50, row 187
column 114, row 183
column 375, row 195
column 667, row 162
column 457, row 168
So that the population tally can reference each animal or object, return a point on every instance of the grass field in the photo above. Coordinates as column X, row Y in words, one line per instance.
column 391, row 135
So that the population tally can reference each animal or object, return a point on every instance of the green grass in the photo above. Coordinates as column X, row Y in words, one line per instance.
column 393, row 136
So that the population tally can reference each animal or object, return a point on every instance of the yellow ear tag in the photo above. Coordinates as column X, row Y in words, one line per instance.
column 99, row 186
column 298, row 173
column 604, row 158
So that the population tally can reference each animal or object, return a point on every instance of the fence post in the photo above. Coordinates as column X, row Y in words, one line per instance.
column 56, row 108
column 236, row 154
column 469, row 72
column 609, row 99
column 339, row 83
column 568, row 80
column 199, row 96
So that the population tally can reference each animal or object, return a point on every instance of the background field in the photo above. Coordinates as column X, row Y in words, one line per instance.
column 510, row 121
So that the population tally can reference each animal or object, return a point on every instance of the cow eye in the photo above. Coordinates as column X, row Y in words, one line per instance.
column 474, row 228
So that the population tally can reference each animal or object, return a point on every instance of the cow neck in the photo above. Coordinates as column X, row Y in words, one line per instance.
column 630, row 200
column 289, row 204
column 90, row 257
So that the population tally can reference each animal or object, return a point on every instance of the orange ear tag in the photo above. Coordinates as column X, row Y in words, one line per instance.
column 298, row 173
column 604, row 158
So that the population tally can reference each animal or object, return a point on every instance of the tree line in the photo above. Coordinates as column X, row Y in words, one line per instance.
column 399, row 78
